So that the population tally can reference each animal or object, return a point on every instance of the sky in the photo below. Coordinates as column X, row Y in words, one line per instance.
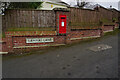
column 105, row 3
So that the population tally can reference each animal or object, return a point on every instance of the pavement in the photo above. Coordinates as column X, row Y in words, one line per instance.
column 75, row 61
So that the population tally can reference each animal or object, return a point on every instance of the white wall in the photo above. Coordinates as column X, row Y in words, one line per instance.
column 47, row 6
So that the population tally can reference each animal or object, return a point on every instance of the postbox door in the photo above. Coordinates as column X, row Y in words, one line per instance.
column 62, row 24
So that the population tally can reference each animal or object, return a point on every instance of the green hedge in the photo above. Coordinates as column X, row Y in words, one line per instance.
column 30, row 29
column 84, row 24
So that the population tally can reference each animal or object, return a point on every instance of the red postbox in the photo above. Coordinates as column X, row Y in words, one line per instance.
column 62, row 24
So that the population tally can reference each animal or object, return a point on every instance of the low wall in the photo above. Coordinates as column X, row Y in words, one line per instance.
column 33, row 39
column 3, row 46
column 22, row 42
column 82, row 34
column 108, row 28
column 116, row 25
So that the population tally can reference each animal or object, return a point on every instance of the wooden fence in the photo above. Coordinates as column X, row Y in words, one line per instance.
column 105, row 15
column 92, row 19
column 28, row 18
column 83, row 15
column 82, row 18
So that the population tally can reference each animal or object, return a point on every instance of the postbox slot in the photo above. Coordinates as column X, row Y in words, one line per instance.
column 62, row 17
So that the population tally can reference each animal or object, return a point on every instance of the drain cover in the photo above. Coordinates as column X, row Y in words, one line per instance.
column 100, row 47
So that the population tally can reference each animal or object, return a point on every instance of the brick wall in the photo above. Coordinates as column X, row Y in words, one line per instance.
column 12, row 41
column 4, row 47
column 116, row 25
column 108, row 28
column 83, row 34
column 21, row 41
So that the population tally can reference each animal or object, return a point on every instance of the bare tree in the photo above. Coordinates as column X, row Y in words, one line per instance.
column 82, row 3
column 3, row 6
column 18, row 5
column 119, row 5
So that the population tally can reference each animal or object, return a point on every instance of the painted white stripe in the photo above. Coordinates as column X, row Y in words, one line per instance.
column 84, row 37
column 116, row 27
column 3, row 52
column 2, row 41
column 37, row 46
column 108, row 31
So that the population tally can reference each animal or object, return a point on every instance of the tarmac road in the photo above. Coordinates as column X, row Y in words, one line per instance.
column 76, row 61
